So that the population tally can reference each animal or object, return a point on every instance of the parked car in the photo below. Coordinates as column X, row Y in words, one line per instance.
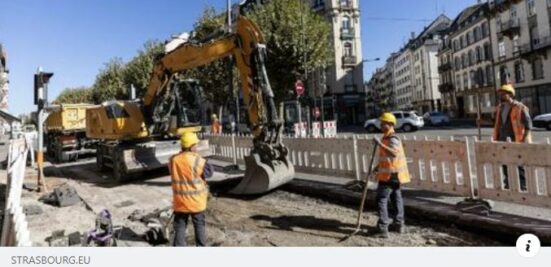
column 407, row 121
column 542, row 121
column 436, row 118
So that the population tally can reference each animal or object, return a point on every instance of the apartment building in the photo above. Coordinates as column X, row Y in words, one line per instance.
column 521, row 42
column 424, row 50
column 403, row 87
column 446, row 74
column 474, row 84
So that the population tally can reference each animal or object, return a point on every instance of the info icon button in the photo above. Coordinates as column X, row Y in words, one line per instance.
column 528, row 245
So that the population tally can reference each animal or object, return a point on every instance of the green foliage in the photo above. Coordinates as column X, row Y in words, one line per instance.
column 109, row 84
column 283, row 23
column 213, row 77
column 75, row 95
column 138, row 70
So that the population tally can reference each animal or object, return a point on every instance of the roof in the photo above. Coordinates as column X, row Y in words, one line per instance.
column 466, row 14
column 9, row 117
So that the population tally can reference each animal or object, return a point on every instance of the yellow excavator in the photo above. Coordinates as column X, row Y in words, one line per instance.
column 142, row 134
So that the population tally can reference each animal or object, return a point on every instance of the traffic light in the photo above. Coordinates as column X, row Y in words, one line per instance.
column 41, row 80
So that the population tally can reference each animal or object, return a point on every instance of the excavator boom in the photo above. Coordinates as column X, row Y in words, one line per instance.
column 267, row 166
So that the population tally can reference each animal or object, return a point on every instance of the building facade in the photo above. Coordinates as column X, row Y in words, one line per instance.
column 424, row 50
column 521, row 42
column 473, row 79
column 446, row 73
column 403, row 87
column 345, row 77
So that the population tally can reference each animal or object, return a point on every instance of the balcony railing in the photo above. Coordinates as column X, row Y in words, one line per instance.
column 348, row 33
column 348, row 61
column 535, row 46
column 445, row 88
column 346, row 6
column 509, row 27
column 445, row 67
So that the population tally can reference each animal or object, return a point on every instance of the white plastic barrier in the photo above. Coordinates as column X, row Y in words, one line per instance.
column 534, row 160
column 316, row 129
column 330, row 129
column 14, row 228
column 300, row 129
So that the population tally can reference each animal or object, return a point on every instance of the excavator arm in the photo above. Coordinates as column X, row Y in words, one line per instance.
column 267, row 166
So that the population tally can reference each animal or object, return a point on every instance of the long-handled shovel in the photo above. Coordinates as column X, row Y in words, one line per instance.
column 360, row 211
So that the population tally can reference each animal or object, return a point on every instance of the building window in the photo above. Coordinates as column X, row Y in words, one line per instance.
column 489, row 74
column 487, row 51
column 513, row 11
column 501, row 48
column 471, row 58
column 462, row 38
column 531, row 7
column 457, row 63
column 537, row 69
column 515, row 43
column 469, row 38
column 519, row 72
column 479, row 54
column 346, row 23
column 464, row 60
column 465, row 81
column 480, row 77
column 504, row 75
column 485, row 29
column 345, row 3
column 472, row 79
column 534, row 35
column 347, row 49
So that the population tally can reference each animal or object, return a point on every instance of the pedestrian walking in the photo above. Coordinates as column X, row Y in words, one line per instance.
column 513, row 122
column 188, row 172
column 391, row 172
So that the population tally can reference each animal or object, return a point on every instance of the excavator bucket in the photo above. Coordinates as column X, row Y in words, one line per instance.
column 262, row 177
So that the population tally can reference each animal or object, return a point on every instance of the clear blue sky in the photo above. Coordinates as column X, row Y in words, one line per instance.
column 74, row 39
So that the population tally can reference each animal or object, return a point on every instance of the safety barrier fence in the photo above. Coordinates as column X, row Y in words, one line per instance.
column 14, row 226
column 463, row 167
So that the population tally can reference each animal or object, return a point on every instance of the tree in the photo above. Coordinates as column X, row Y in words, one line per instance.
column 138, row 71
column 283, row 23
column 75, row 95
column 109, row 84
column 213, row 77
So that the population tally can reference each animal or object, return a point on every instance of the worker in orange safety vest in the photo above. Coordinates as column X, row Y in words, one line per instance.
column 513, row 122
column 391, row 173
column 188, row 171
column 216, row 127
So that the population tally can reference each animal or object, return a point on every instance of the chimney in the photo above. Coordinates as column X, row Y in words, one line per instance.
column 412, row 35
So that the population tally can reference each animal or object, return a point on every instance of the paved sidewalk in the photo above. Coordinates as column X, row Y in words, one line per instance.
column 506, row 221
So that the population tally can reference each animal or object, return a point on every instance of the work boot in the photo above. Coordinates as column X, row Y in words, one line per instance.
column 381, row 234
column 398, row 228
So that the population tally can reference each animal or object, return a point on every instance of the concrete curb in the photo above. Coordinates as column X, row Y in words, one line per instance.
column 501, row 226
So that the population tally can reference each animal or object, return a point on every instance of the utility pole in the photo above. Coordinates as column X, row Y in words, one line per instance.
column 230, row 68
column 303, row 59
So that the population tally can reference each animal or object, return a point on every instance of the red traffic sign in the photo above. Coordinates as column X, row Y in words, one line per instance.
column 316, row 112
column 299, row 87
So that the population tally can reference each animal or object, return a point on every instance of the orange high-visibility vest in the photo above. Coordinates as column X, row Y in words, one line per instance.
column 389, row 164
column 216, row 127
column 189, row 190
column 515, row 116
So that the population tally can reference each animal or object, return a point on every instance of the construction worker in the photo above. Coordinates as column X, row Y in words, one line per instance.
column 216, row 127
column 391, row 173
column 512, row 121
column 188, row 171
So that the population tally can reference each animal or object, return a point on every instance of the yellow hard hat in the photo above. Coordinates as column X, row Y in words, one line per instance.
column 507, row 88
column 188, row 140
column 213, row 116
column 388, row 117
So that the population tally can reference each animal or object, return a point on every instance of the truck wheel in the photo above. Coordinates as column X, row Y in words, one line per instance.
column 59, row 156
column 99, row 160
column 119, row 171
